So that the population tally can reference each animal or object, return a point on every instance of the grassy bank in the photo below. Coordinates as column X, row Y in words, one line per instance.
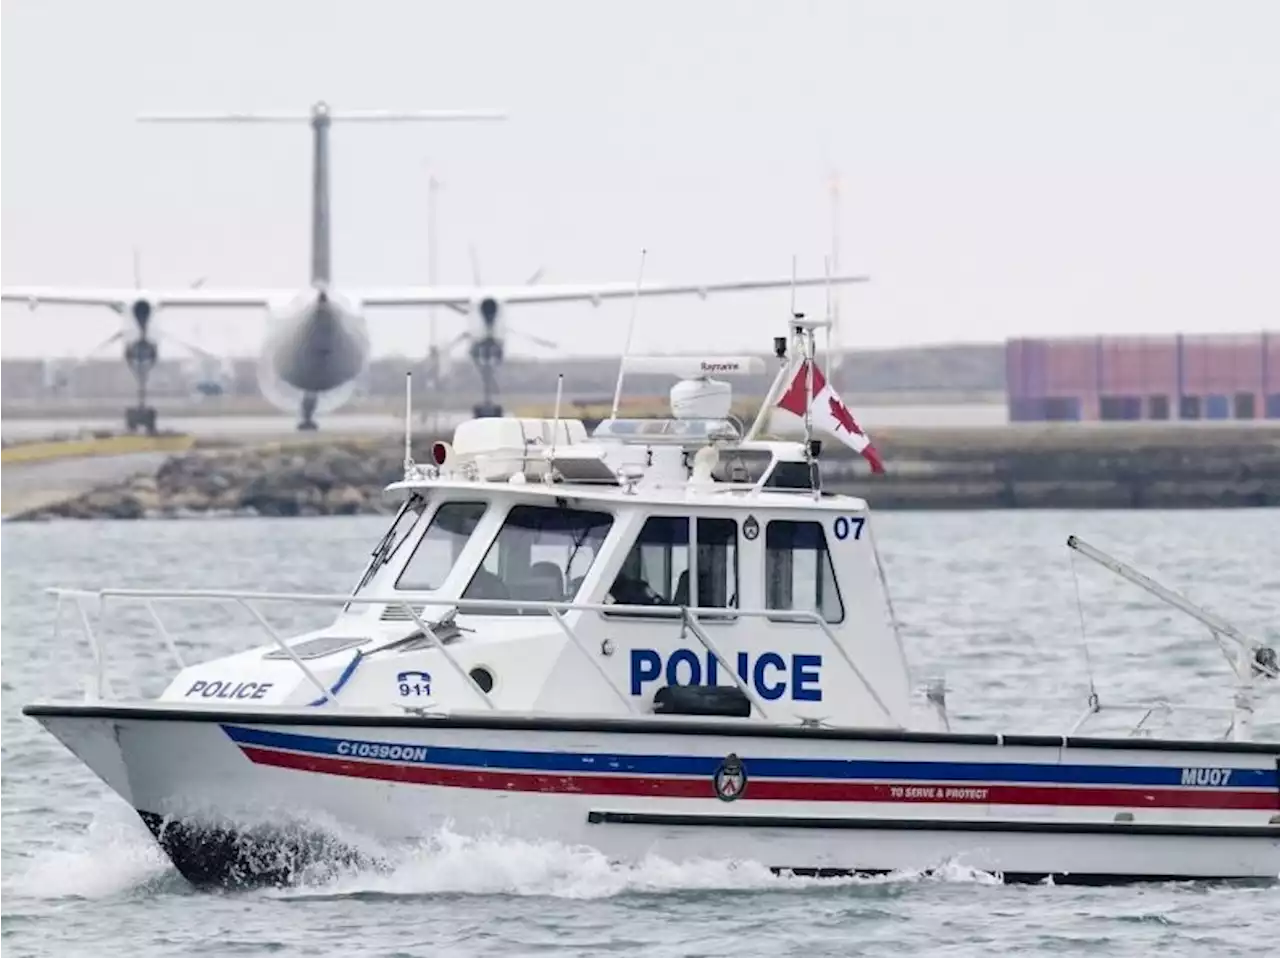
column 44, row 451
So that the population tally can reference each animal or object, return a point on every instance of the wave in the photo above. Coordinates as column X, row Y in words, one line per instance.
column 115, row 856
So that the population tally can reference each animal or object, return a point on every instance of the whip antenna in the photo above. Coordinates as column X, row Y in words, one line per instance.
column 793, row 284
column 830, row 359
column 555, row 425
column 408, row 422
column 631, row 326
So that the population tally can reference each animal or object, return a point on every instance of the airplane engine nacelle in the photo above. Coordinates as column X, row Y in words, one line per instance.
column 488, row 320
column 487, row 332
column 142, row 310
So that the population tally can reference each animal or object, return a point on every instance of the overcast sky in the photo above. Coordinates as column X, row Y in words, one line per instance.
column 1007, row 168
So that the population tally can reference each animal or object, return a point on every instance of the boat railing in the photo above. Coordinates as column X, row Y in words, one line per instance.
column 692, row 620
column 1149, row 710
column 1250, row 660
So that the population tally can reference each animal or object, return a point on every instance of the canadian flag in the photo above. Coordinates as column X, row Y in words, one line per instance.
column 828, row 412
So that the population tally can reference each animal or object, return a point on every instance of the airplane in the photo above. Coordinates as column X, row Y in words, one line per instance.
column 317, row 341
column 485, row 339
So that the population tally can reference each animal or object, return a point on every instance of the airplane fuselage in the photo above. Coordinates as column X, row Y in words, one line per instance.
column 315, row 344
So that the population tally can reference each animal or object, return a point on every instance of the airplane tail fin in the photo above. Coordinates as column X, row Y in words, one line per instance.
column 320, row 119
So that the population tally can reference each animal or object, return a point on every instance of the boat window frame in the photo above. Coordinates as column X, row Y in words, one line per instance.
column 691, row 545
column 486, row 504
column 377, row 560
column 790, row 475
column 756, row 463
column 601, row 548
column 792, row 615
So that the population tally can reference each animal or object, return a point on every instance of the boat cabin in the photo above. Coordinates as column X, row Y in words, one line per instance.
column 660, row 567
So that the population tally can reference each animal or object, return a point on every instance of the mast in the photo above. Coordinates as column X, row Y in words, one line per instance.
column 837, row 356
column 433, row 346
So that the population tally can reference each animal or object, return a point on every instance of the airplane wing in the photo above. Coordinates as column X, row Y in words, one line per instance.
column 458, row 296
column 119, row 298
column 593, row 293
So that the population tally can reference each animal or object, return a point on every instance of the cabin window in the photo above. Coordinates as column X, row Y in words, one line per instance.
column 656, row 570
column 541, row 553
column 717, row 564
column 751, row 465
column 790, row 475
column 799, row 573
column 437, row 552
column 405, row 521
column 742, row 465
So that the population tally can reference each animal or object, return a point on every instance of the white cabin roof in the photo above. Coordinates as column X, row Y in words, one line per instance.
column 731, row 498
column 701, row 463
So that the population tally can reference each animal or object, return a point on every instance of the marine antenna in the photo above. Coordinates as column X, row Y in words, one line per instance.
column 626, row 348
column 835, row 343
column 408, row 423
column 793, row 284
column 830, row 360
column 555, row 424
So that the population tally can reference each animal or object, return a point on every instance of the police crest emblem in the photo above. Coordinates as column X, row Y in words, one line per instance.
column 730, row 779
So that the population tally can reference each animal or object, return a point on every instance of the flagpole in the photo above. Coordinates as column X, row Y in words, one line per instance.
column 808, row 381
column 810, row 358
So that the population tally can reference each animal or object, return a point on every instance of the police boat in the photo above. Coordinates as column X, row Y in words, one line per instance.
column 662, row 637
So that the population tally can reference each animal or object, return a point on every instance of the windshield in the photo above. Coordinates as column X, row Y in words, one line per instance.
column 433, row 559
column 401, row 526
column 541, row 553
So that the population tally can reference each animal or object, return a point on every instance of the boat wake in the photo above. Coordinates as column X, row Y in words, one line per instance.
column 452, row 864
column 116, row 857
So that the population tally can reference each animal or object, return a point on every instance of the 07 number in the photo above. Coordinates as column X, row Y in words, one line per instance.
column 844, row 526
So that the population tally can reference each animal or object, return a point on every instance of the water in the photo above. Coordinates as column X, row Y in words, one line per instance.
column 987, row 600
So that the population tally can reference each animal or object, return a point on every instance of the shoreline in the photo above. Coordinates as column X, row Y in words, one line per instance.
column 1166, row 466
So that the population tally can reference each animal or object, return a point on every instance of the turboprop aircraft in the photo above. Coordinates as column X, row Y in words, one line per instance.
column 317, row 341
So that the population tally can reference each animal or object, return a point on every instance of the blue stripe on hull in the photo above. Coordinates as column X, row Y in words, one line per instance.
column 694, row 765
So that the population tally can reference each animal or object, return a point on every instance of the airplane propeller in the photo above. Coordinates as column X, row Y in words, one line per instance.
column 134, row 354
column 477, row 279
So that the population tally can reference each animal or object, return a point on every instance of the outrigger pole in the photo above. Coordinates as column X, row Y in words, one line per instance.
column 1250, row 658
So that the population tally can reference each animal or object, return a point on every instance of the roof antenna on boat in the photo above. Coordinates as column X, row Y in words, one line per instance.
column 626, row 348
column 806, row 341
column 793, row 284
column 829, row 360
column 555, row 427
column 787, row 362
column 408, row 422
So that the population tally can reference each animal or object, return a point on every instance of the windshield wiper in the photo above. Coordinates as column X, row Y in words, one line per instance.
column 382, row 554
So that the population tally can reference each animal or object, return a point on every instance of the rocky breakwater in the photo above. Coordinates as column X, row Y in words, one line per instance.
column 1078, row 466
column 320, row 478
column 1069, row 466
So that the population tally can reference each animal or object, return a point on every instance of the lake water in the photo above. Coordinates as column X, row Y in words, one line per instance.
column 986, row 600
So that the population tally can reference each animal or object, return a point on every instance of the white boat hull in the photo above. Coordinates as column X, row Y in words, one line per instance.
column 214, row 786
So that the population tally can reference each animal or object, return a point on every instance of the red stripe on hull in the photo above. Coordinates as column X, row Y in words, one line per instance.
column 769, row 789
column 498, row 781
column 1077, row 795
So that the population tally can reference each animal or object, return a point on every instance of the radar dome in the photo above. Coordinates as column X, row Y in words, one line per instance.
column 701, row 399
